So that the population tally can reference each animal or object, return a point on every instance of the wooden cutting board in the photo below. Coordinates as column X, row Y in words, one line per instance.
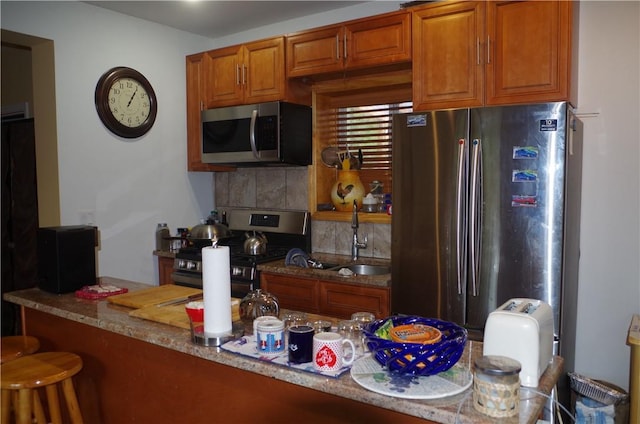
column 175, row 314
column 153, row 296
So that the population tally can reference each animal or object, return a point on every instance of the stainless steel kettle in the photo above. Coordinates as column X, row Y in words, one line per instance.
column 255, row 244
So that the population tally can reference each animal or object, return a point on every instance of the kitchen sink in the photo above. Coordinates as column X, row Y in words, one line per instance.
column 365, row 269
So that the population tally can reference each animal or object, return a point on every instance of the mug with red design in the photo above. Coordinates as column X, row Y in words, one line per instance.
column 329, row 352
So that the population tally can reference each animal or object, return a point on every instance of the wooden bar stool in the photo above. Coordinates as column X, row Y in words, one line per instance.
column 25, row 375
column 14, row 347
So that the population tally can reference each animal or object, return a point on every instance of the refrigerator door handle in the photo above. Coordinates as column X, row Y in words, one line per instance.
column 473, row 214
column 460, row 213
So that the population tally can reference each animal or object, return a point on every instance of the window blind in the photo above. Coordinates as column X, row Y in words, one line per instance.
column 368, row 129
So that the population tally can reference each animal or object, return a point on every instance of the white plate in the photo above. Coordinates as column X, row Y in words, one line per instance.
column 368, row 373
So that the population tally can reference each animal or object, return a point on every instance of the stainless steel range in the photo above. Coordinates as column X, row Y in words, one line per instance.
column 283, row 230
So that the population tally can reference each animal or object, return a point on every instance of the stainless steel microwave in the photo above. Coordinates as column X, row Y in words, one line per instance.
column 274, row 133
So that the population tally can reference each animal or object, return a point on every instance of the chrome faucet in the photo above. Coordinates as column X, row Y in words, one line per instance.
column 356, row 245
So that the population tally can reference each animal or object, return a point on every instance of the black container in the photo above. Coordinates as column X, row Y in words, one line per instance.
column 66, row 258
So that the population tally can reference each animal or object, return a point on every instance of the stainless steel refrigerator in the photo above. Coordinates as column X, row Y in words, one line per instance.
column 486, row 207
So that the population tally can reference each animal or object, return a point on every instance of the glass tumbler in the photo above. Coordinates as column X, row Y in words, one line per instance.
column 350, row 329
column 291, row 319
column 363, row 319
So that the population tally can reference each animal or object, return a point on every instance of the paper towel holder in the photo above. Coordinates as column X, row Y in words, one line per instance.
column 217, row 340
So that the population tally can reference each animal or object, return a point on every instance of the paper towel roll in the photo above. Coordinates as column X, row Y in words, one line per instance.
column 216, row 290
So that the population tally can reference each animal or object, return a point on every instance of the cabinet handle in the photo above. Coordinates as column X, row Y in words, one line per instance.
column 237, row 74
column 337, row 47
column 344, row 46
column 477, row 50
column 488, row 50
column 244, row 74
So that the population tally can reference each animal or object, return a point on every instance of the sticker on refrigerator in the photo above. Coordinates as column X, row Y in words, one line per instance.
column 417, row 121
column 548, row 125
column 518, row 201
column 525, row 152
column 524, row 175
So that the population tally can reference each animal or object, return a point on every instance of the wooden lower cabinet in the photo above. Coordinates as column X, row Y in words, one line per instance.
column 126, row 380
column 165, row 269
column 342, row 300
column 322, row 297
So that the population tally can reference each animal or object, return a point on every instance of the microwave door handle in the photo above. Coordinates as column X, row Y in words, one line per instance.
column 252, row 133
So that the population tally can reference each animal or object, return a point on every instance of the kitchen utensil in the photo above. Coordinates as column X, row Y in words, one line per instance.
column 180, row 300
column 496, row 387
column 209, row 232
column 415, row 358
column 270, row 337
column 329, row 352
column 330, row 157
column 256, row 304
column 152, row 296
column 297, row 257
column 522, row 329
column 255, row 244
column 300, row 344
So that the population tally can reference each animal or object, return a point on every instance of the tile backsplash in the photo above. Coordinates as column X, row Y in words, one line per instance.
column 287, row 188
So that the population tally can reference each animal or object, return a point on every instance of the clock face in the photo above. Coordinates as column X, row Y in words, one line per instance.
column 129, row 102
column 125, row 102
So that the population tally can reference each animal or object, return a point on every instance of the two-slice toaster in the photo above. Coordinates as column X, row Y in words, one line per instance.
column 522, row 329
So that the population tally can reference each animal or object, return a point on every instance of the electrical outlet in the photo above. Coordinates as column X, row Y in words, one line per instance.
column 87, row 217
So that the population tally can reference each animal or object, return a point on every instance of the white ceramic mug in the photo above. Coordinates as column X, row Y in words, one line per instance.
column 329, row 352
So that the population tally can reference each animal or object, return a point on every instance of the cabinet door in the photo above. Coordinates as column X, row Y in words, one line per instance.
column 378, row 41
column 342, row 300
column 298, row 294
column 226, row 73
column 265, row 72
column 447, row 62
column 196, row 69
column 165, row 269
column 315, row 52
column 529, row 51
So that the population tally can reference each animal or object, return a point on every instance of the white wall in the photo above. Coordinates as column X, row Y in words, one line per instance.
column 133, row 185
column 609, row 87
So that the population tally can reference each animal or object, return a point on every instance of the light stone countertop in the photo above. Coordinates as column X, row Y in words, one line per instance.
column 107, row 316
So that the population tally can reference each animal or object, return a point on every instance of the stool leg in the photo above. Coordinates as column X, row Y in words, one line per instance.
column 24, row 406
column 72, row 401
column 54, row 403
column 37, row 408
column 6, row 406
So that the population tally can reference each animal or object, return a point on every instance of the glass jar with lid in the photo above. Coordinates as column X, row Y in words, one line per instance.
column 496, row 386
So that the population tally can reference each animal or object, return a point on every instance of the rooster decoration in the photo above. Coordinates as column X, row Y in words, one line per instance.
column 343, row 192
column 346, row 189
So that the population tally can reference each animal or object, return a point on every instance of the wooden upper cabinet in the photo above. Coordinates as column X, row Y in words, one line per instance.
column 363, row 43
column 249, row 73
column 474, row 53
column 447, row 69
column 530, row 52
column 196, row 101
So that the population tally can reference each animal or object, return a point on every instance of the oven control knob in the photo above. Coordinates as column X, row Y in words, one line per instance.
column 236, row 271
column 181, row 264
column 191, row 266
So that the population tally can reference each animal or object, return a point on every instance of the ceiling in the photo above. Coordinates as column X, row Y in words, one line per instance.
column 216, row 19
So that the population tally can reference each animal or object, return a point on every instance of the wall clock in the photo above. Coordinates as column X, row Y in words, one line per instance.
column 126, row 102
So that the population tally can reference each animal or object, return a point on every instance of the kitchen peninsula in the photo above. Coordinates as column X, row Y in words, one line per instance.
column 141, row 371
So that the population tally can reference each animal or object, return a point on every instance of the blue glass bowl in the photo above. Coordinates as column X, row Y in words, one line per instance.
column 415, row 358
